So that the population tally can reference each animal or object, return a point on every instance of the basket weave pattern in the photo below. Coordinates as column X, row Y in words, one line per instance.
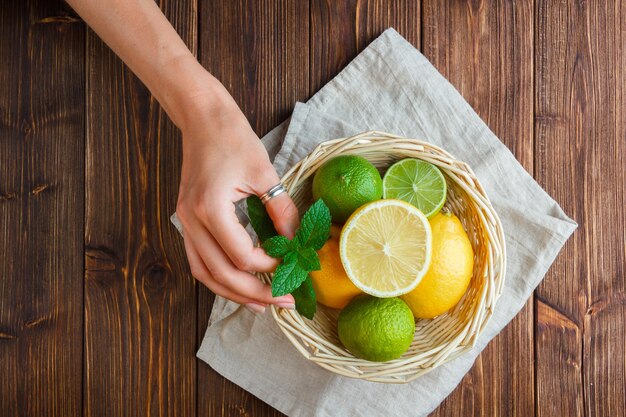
column 438, row 340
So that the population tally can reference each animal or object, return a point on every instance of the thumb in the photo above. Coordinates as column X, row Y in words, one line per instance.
column 281, row 209
column 284, row 214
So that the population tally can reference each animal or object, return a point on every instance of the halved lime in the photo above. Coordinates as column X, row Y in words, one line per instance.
column 417, row 182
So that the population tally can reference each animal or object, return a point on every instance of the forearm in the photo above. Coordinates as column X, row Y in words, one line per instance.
column 219, row 250
column 138, row 32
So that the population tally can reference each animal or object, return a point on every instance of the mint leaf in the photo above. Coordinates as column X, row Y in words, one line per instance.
column 288, row 275
column 277, row 246
column 259, row 219
column 299, row 255
column 314, row 227
column 305, row 299
column 308, row 259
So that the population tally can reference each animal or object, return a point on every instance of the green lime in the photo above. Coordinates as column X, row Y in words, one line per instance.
column 345, row 183
column 417, row 182
column 376, row 329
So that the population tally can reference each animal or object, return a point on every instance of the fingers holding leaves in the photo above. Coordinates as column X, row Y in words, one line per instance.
column 299, row 255
column 201, row 273
column 212, row 262
column 223, row 225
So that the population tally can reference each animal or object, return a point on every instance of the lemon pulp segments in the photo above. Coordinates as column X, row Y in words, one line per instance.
column 417, row 182
column 386, row 247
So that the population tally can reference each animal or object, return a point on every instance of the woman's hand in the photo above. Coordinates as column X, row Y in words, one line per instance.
column 224, row 162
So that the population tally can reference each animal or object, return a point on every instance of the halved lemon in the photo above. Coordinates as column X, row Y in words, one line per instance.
column 385, row 247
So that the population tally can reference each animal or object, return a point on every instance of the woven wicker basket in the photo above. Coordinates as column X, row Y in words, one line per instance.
column 437, row 340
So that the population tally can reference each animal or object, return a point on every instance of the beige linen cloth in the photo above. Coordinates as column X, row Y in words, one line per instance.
column 391, row 87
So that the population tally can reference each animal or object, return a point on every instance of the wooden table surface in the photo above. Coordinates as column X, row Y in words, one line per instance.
column 98, row 313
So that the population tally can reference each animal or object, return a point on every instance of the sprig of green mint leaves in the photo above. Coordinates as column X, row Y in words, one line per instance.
column 299, row 255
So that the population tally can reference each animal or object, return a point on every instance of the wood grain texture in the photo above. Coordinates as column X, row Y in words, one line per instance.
column 260, row 51
column 41, row 209
column 485, row 49
column 89, row 171
column 558, row 346
column 140, row 311
column 579, row 159
column 342, row 29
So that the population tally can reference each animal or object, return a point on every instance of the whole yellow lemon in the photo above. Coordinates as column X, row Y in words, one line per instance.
column 450, row 271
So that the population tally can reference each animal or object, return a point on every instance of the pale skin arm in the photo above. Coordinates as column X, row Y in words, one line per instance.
column 223, row 159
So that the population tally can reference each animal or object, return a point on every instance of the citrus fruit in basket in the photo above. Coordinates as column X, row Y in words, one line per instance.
column 376, row 329
column 450, row 271
column 345, row 183
column 332, row 286
column 417, row 182
column 385, row 247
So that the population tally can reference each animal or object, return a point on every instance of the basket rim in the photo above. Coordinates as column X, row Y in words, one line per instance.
column 405, row 369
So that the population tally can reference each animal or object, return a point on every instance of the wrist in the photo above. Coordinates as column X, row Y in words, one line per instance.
column 192, row 93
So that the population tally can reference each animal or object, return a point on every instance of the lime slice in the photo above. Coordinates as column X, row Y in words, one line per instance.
column 417, row 182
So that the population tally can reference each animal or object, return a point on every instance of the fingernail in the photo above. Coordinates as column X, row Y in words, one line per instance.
column 256, row 308
column 294, row 227
column 284, row 299
column 288, row 306
column 288, row 231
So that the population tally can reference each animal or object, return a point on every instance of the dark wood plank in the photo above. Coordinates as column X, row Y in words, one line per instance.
column 485, row 49
column 260, row 51
column 559, row 388
column 579, row 148
column 140, row 302
column 42, row 66
column 341, row 29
